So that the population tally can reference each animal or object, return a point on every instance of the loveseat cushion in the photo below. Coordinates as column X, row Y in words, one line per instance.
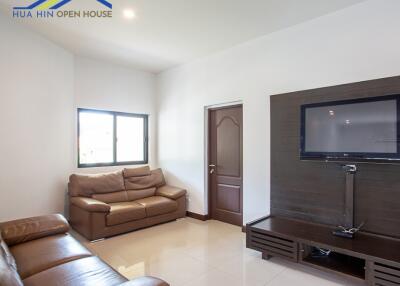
column 138, row 181
column 125, row 212
column 157, row 205
column 137, row 172
column 85, row 271
column 140, row 194
column 115, row 197
column 87, row 185
column 41, row 254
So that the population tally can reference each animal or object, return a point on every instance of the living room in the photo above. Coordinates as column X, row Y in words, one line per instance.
column 167, row 141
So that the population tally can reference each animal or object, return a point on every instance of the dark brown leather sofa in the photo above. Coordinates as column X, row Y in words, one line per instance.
column 39, row 252
column 104, row 205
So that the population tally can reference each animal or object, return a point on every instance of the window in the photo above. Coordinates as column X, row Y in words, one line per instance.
column 107, row 138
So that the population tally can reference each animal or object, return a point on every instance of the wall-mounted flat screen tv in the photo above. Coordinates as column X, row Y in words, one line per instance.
column 357, row 130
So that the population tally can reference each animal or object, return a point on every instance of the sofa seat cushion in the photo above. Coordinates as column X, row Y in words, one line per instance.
column 38, row 255
column 85, row 271
column 115, row 197
column 157, row 205
column 134, row 195
column 125, row 212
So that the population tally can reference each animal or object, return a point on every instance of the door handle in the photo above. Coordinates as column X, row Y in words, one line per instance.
column 212, row 166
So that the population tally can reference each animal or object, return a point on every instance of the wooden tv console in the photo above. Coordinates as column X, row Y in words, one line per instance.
column 375, row 259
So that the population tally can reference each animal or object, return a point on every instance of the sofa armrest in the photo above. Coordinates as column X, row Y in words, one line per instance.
column 90, row 204
column 170, row 192
column 23, row 230
column 145, row 281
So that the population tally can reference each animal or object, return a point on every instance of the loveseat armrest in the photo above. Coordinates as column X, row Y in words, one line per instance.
column 23, row 230
column 145, row 281
column 90, row 204
column 170, row 192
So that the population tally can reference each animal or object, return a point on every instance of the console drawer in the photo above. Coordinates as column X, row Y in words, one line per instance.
column 272, row 244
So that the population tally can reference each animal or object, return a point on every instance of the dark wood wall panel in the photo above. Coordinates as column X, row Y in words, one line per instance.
column 314, row 191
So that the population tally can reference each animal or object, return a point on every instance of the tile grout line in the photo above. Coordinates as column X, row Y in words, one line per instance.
column 275, row 276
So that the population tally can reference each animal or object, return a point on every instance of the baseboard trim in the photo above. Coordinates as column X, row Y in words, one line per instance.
column 205, row 217
column 197, row 216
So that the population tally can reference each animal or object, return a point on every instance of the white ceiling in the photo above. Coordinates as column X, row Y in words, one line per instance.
column 167, row 33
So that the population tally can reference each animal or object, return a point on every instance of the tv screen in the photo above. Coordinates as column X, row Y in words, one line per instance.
column 353, row 130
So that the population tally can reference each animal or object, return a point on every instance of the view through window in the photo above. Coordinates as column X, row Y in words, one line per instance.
column 108, row 138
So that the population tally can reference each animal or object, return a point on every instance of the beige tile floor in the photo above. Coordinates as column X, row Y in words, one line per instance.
column 189, row 252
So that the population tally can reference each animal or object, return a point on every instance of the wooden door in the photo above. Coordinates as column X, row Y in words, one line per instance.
column 225, row 164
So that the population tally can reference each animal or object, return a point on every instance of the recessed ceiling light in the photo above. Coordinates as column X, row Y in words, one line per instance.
column 129, row 13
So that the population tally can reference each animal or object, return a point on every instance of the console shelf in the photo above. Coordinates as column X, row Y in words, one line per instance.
column 336, row 262
column 373, row 258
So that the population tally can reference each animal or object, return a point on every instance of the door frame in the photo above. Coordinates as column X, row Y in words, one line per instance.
column 207, row 188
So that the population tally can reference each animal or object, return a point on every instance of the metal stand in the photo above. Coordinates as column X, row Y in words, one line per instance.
column 349, row 196
column 348, row 230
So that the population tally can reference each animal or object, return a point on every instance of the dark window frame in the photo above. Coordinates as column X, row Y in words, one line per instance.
column 115, row 114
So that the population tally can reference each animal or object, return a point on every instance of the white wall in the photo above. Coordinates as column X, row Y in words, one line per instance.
column 100, row 85
column 354, row 44
column 36, row 141
column 41, row 85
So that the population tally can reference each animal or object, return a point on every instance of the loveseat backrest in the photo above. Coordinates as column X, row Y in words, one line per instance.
column 144, row 179
column 127, row 185
column 142, row 182
column 88, row 185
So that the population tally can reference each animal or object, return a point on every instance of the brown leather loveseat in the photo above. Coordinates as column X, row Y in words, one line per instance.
column 39, row 252
column 104, row 205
